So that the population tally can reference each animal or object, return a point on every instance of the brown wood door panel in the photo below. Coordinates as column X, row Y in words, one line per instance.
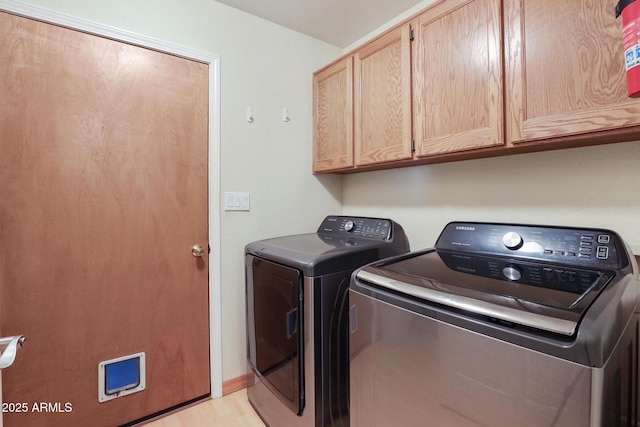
column 382, row 99
column 458, row 89
column 103, row 165
column 564, row 70
column 333, row 117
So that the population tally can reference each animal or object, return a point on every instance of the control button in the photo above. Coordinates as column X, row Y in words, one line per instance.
column 602, row 252
column 512, row 273
column 570, row 253
column 348, row 226
column 587, row 237
column 586, row 243
column 512, row 240
column 548, row 251
column 583, row 255
column 603, row 238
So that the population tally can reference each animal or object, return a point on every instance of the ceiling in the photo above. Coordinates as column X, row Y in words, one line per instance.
column 337, row 22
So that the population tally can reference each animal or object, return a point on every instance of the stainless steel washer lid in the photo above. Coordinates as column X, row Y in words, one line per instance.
column 535, row 295
column 563, row 291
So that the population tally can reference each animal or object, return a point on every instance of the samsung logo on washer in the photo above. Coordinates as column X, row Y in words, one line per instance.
column 465, row 228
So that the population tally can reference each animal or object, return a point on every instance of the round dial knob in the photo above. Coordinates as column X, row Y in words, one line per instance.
column 349, row 225
column 512, row 273
column 512, row 240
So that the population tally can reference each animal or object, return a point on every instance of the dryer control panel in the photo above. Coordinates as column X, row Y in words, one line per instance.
column 360, row 227
column 593, row 248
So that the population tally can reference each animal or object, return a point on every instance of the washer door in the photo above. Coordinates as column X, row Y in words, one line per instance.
column 274, row 328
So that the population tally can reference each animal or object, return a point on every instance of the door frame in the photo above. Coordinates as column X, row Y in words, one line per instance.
column 213, row 61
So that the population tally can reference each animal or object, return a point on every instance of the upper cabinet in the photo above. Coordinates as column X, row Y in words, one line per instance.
column 362, row 105
column 475, row 78
column 565, row 70
column 382, row 99
column 458, row 79
column 333, row 117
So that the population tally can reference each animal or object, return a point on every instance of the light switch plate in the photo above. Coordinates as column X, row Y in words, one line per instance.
column 237, row 201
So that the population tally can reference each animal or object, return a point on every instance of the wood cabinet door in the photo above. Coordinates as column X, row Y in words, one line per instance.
column 103, row 165
column 457, row 83
column 564, row 70
column 382, row 99
column 333, row 117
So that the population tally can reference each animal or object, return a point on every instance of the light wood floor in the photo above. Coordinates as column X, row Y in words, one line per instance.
column 232, row 410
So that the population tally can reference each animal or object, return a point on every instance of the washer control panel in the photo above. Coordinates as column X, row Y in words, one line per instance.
column 596, row 248
column 567, row 279
column 372, row 228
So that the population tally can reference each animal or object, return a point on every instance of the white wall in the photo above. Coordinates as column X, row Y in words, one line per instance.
column 589, row 187
column 263, row 66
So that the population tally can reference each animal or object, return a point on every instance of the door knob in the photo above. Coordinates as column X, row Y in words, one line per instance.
column 197, row 251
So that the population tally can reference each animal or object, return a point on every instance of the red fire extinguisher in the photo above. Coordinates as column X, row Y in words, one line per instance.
column 630, row 11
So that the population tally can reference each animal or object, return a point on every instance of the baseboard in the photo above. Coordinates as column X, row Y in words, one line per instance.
column 235, row 384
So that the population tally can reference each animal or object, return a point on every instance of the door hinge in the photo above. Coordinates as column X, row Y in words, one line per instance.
column 411, row 35
column 413, row 145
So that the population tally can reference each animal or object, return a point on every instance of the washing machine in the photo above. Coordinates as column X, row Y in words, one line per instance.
column 498, row 325
column 297, row 317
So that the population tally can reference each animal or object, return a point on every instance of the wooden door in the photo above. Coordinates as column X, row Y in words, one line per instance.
column 382, row 99
column 458, row 87
column 564, row 70
column 103, row 172
column 333, row 117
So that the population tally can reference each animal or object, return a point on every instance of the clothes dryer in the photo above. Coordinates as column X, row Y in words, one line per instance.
column 297, row 317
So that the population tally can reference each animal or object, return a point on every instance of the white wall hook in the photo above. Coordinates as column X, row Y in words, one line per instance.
column 249, row 114
column 285, row 115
